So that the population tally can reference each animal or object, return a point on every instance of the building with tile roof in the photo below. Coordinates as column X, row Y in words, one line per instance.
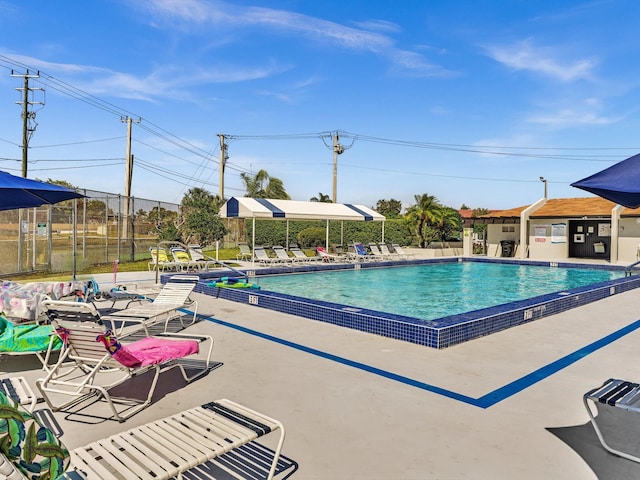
column 589, row 227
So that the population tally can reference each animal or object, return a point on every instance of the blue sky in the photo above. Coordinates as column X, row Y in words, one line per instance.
column 469, row 101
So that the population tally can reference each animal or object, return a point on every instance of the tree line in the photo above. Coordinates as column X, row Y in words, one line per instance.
column 427, row 220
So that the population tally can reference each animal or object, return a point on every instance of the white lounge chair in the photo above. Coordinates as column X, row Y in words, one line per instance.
column 18, row 389
column 282, row 255
column 400, row 251
column 173, row 296
column 261, row 256
column 301, row 257
column 159, row 450
column 384, row 249
column 376, row 253
column 198, row 256
column 93, row 361
column 245, row 252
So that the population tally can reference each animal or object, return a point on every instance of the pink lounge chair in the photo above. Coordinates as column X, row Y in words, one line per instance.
column 329, row 257
column 93, row 361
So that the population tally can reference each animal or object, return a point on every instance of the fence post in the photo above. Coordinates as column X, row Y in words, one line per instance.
column 119, row 224
column 49, row 236
column 132, row 229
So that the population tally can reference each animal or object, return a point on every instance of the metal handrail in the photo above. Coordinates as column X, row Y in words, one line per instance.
column 209, row 259
column 628, row 268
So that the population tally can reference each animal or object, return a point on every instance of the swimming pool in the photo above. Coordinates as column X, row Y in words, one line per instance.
column 442, row 332
column 431, row 291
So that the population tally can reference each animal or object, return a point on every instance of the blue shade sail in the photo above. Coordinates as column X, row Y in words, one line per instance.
column 18, row 192
column 619, row 183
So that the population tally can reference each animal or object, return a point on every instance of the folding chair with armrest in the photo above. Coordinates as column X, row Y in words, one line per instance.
column 173, row 296
column 93, row 360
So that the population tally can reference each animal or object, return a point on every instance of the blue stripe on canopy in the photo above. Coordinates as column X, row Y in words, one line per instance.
column 233, row 208
column 277, row 213
column 367, row 218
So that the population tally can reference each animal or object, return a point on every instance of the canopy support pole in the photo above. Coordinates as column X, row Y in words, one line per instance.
column 326, row 246
column 253, row 242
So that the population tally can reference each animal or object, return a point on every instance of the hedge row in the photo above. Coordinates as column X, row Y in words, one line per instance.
column 274, row 232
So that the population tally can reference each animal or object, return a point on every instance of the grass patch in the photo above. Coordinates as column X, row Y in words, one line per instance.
column 227, row 255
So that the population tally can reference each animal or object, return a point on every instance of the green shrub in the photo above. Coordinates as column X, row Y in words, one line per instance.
column 311, row 237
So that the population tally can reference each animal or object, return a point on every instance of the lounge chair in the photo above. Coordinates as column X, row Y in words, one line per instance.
column 198, row 256
column 261, row 256
column 245, row 252
column 282, row 255
column 400, row 251
column 122, row 292
column 158, row 450
column 165, row 306
column 160, row 258
column 93, row 361
column 28, row 339
column 615, row 393
column 182, row 258
column 19, row 390
column 359, row 253
column 301, row 257
column 329, row 257
column 376, row 253
column 384, row 249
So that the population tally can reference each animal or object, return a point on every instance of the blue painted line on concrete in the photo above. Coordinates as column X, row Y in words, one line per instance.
column 484, row 401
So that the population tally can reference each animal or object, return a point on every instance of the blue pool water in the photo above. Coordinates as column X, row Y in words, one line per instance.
column 433, row 291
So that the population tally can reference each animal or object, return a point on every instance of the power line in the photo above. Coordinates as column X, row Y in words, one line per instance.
column 78, row 143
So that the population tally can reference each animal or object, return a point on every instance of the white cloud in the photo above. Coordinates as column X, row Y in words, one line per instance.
column 567, row 118
column 525, row 56
column 367, row 38
column 159, row 83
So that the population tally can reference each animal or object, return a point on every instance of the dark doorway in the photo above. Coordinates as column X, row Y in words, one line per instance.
column 590, row 239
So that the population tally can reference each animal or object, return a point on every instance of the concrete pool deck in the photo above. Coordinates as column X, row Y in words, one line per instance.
column 361, row 406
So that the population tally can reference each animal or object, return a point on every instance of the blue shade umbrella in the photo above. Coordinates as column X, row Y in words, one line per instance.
column 17, row 192
column 619, row 183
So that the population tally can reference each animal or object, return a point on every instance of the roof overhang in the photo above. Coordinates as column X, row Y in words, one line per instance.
column 245, row 207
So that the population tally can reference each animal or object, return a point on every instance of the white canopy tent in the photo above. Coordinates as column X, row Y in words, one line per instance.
column 262, row 208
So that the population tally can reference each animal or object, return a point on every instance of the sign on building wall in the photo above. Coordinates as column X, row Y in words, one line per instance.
column 604, row 229
column 559, row 233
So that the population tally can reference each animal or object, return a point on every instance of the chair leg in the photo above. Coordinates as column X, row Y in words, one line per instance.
column 601, row 436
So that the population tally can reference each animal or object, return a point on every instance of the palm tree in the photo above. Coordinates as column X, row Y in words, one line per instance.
column 321, row 198
column 426, row 212
column 262, row 185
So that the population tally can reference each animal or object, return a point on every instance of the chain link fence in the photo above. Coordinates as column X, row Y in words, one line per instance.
column 99, row 229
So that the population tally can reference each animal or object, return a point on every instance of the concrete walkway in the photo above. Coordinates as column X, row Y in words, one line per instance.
column 360, row 406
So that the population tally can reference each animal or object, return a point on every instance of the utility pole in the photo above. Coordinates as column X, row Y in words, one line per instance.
column 27, row 130
column 337, row 150
column 223, row 161
column 27, row 115
column 128, row 177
